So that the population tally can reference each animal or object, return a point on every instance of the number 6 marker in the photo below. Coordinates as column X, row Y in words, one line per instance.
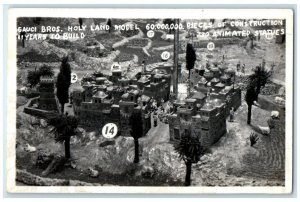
column 110, row 130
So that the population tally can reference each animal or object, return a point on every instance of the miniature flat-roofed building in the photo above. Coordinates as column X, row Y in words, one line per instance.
column 158, row 87
column 207, row 123
column 203, row 114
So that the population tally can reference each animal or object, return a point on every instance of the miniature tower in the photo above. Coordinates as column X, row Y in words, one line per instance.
column 47, row 100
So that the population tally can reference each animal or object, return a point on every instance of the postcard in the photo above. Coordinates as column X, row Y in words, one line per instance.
column 150, row 101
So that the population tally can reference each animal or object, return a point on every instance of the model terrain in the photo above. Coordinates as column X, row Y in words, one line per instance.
column 122, row 73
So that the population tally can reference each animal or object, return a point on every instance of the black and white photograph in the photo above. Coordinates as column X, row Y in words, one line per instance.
column 199, row 100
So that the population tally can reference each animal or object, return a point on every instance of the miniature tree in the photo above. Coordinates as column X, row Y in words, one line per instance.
column 63, row 83
column 23, row 36
column 250, row 97
column 80, row 22
column 33, row 78
column 189, row 150
column 251, row 38
column 46, row 70
column 256, row 82
column 37, row 20
column 260, row 77
column 109, row 24
column 168, row 22
column 64, row 127
column 253, row 139
column 136, row 132
column 190, row 58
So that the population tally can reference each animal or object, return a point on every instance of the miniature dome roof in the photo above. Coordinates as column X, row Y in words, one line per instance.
column 215, row 80
column 100, row 78
column 145, row 98
column 158, row 71
column 124, row 79
column 225, row 76
column 230, row 70
column 208, row 105
column 155, row 71
column 100, row 94
column 158, row 76
column 102, row 86
column 143, row 79
column 214, row 69
column 125, row 95
column 217, row 102
column 135, row 92
column 109, row 88
column 220, row 85
column 228, row 88
column 77, row 88
column 198, row 95
column 223, row 67
column 202, row 80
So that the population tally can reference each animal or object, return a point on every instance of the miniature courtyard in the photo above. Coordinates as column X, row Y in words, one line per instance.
column 229, row 162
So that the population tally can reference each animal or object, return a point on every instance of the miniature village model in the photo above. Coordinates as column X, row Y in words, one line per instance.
column 186, row 109
column 101, row 100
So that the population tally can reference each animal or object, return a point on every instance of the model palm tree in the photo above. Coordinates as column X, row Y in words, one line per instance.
column 190, row 151
column 256, row 82
column 259, row 78
column 64, row 127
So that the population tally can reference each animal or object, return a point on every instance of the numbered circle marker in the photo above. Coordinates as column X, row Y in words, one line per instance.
column 165, row 55
column 115, row 66
column 211, row 46
column 269, row 36
column 150, row 33
column 110, row 130
column 74, row 77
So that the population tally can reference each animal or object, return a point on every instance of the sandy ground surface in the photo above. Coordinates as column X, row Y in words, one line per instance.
column 231, row 161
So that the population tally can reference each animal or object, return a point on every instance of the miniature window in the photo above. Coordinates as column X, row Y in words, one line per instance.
column 126, row 109
column 187, row 132
column 176, row 134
